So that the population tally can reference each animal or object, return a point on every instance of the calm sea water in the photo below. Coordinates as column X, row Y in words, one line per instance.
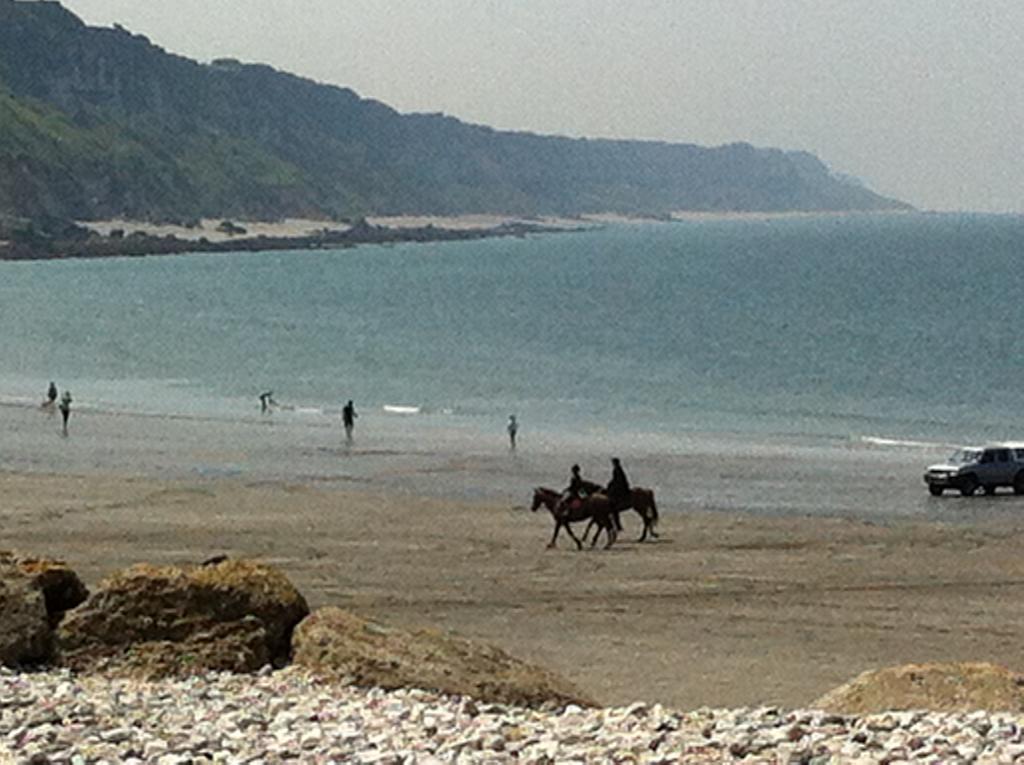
column 865, row 327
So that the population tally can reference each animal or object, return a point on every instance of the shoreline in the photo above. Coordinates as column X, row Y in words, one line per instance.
column 127, row 238
column 81, row 242
column 448, row 458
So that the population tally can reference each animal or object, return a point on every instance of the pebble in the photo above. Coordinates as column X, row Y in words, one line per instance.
column 290, row 716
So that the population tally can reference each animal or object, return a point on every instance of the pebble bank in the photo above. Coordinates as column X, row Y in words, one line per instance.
column 290, row 716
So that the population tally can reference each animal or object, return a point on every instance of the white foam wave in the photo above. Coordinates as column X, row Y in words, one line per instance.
column 6, row 400
column 883, row 441
column 400, row 409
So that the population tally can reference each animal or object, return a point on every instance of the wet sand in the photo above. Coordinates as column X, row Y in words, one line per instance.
column 730, row 607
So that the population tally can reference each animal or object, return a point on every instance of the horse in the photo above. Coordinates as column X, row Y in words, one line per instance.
column 641, row 500
column 595, row 508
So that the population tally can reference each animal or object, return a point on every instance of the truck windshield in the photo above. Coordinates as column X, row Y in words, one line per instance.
column 965, row 455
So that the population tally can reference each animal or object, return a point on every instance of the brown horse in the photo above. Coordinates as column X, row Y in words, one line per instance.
column 641, row 500
column 595, row 508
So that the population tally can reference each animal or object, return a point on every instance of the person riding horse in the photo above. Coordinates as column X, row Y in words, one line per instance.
column 579, row 488
column 618, row 488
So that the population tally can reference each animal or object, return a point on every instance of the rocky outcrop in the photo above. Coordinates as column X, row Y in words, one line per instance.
column 234, row 615
column 955, row 687
column 24, row 627
column 61, row 587
column 34, row 594
column 337, row 644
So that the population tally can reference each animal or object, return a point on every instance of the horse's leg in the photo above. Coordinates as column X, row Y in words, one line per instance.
column 618, row 521
column 639, row 511
column 652, row 512
column 558, row 525
column 612, row 536
column 586, row 531
column 568, row 530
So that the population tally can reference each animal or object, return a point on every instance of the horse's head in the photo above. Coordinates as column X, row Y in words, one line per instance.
column 538, row 499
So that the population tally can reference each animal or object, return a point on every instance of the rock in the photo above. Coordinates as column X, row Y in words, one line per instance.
column 61, row 587
column 25, row 634
column 235, row 615
column 939, row 687
column 337, row 644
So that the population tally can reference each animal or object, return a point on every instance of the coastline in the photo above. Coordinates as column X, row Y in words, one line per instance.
column 103, row 240
column 119, row 237
column 730, row 607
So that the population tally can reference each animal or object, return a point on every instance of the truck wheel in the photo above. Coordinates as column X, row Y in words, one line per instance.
column 1018, row 483
column 968, row 486
column 935, row 491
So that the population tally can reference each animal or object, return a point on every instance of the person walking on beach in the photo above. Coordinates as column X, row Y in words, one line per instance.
column 513, row 428
column 348, row 419
column 65, row 410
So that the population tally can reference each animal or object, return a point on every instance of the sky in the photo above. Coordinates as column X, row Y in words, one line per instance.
column 922, row 100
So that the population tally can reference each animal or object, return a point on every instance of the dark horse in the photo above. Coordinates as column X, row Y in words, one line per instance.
column 595, row 508
column 641, row 500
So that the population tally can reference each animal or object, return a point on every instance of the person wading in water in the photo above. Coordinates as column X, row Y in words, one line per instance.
column 65, row 409
column 348, row 419
column 267, row 401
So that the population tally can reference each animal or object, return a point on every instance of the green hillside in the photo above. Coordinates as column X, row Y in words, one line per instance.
column 99, row 122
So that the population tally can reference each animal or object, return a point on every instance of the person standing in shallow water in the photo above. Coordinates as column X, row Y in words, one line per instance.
column 267, row 401
column 49, row 404
column 348, row 419
column 513, row 428
column 65, row 410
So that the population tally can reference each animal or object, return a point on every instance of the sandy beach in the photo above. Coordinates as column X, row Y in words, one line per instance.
column 209, row 228
column 728, row 608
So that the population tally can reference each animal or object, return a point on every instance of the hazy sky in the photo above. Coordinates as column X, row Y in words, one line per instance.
column 921, row 99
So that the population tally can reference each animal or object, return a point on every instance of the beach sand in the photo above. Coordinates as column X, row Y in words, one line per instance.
column 725, row 609
column 207, row 228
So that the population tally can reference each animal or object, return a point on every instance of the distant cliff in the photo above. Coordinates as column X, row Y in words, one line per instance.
column 99, row 122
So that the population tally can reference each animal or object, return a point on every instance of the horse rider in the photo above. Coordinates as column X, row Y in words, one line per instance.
column 579, row 487
column 618, row 488
column 575, row 491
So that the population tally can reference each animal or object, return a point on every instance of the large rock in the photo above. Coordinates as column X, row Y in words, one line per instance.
column 61, row 587
column 939, row 687
column 337, row 644
column 25, row 634
column 234, row 615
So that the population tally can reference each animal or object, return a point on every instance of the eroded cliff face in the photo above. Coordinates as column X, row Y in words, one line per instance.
column 98, row 122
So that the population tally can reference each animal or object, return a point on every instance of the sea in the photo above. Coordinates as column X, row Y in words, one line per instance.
column 891, row 330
